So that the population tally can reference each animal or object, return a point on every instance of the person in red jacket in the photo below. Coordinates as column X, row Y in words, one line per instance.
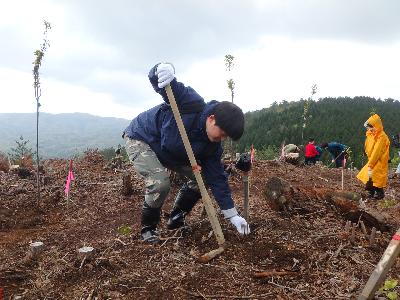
column 310, row 152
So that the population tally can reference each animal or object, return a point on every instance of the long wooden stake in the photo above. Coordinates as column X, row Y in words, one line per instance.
column 382, row 268
column 353, row 233
column 372, row 237
column 342, row 179
column 364, row 230
column 246, row 196
column 212, row 215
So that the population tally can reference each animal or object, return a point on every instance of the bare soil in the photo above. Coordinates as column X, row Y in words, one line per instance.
column 308, row 253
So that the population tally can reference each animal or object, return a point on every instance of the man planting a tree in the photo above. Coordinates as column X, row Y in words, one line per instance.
column 154, row 145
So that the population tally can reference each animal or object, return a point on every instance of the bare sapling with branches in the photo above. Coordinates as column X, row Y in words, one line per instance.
column 231, row 86
column 39, row 54
column 306, row 110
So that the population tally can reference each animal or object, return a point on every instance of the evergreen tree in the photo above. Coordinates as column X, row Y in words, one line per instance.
column 333, row 119
column 21, row 150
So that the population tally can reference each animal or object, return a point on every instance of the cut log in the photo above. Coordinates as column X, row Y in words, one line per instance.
column 280, row 195
column 347, row 205
column 347, row 195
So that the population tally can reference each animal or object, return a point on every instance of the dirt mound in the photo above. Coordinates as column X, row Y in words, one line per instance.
column 302, row 253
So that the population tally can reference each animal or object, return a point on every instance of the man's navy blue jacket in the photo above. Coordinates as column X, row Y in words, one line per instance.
column 157, row 128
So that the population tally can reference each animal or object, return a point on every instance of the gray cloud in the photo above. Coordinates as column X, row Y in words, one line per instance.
column 125, row 38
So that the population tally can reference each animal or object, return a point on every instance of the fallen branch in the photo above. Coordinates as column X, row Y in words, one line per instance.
column 324, row 235
column 337, row 252
column 323, row 178
column 286, row 287
column 273, row 273
column 253, row 296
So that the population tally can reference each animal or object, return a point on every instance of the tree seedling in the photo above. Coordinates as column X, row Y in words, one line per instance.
column 125, row 230
column 388, row 289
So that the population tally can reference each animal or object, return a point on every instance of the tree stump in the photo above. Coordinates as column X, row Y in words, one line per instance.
column 127, row 189
column 86, row 252
column 36, row 248
column 278, row 193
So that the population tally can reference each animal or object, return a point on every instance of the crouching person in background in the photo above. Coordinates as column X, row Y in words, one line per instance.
column 154, row 145
column 396, row 144
column 338, row 152
column 291, row 154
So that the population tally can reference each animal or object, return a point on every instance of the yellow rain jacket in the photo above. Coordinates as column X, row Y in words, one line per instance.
column 377, row 149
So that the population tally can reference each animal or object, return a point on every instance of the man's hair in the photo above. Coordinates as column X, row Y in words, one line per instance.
column 230, row 118
column 311, row 140
column 324, row 145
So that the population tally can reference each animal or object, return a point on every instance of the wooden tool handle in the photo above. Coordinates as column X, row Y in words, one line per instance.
column 382, row 268
column 211, row 213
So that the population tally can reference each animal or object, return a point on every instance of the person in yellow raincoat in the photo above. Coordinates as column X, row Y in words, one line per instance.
column 375, row 173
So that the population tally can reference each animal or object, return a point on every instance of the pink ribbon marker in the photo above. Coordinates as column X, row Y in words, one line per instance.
column 252, row 153
column 70, row 177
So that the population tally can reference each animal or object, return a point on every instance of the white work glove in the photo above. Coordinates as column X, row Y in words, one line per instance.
column 240, row 224
column 369, row 172
column 165, row 73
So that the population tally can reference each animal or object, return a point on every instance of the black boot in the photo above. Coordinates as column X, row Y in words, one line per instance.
column 184, row 202
column 150, row 219
column 371, row 194
column 380, row 194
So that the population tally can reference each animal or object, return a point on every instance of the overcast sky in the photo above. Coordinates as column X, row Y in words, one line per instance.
column 101, row 51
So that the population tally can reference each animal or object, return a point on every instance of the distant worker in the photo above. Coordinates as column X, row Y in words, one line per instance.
column 396, row 144
column 116, row 162
column 338, row 152
column 319, row 150
column 375, row 173
column 290, row 154
column 310, row 153
column 118, row 150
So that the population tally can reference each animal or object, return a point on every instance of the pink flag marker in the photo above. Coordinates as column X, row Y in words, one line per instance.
column 70, row 177
column 252, row 153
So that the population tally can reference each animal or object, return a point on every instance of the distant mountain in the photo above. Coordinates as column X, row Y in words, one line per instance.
column 61, row 135
column 329, row 119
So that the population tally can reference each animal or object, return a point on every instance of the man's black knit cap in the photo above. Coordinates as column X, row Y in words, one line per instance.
column 230, row 118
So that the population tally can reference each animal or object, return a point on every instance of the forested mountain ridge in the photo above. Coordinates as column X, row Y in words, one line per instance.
column 329, row 119
column 61, row 135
